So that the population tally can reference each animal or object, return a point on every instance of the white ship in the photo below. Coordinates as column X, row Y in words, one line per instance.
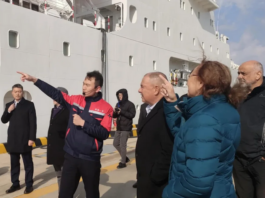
column 59, row 41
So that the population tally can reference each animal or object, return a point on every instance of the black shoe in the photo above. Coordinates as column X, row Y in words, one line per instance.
column 121, row 165
column 135, row 185
column 13, row 189
column 28, row 190
column 127, row 160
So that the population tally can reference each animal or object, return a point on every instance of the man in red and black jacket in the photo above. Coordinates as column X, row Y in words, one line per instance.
column 89, row 124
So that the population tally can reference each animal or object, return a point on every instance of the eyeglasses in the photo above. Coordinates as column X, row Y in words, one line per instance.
column 190, row 75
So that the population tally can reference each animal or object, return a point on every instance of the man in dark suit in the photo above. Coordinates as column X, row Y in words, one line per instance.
column 21, row 116
column 155, row 142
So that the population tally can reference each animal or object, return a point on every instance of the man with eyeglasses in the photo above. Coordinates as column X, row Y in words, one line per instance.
column 249, row 164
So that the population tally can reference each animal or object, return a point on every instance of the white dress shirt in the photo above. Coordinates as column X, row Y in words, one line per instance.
column 149, row 108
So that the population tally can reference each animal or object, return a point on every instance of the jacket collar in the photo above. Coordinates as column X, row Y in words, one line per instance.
column 152, row 113
column 94, row 99
column 21, row 101
column 193, row 105
column 257, row 90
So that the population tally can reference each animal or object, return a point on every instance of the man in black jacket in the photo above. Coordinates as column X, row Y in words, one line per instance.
column 249, row 164
column 155, row 142
column 21, row 116
column 89, row 125
column 124, row 112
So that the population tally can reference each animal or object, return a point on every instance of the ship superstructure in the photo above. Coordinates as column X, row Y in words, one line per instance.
column 59, row 41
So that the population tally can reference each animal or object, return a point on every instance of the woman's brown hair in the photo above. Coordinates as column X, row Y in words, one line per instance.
column 216, row 79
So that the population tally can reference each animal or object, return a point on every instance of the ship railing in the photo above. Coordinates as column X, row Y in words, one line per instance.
column 59, row 6
column 45, row 6
column 109, row 17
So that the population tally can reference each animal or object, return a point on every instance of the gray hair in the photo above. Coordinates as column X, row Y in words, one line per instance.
column 259, row 66
column 154, row 77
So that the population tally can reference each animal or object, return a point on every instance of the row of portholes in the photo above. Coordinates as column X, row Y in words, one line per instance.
column 133, row 19
column 133, row 13
column 14, row 42
column 132, row 64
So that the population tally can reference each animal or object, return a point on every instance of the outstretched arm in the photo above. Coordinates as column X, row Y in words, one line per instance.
column 49, row 90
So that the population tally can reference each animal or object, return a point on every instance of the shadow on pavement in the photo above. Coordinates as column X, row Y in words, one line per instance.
column 4, row 170
column 120, row 190
column 44, row 177
column 116, row 190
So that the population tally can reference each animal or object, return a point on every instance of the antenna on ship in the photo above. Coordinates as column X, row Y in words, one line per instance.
column 218, row 17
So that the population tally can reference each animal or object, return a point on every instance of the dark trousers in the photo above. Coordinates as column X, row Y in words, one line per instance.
column 58, row 170
column 73, row 169
column 249, row 177
column 15, row 168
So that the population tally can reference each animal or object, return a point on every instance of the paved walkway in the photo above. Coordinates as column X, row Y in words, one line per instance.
column 113, row 184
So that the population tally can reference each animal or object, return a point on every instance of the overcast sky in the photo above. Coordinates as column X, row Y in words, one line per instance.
column 243, row 21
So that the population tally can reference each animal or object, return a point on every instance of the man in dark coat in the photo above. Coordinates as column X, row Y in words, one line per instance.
column 155, row 142
column 56, row 136
column 249, row 164
column 124, row 112
column 21, row 116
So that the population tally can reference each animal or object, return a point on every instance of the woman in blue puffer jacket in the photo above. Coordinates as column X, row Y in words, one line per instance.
column 206, row 128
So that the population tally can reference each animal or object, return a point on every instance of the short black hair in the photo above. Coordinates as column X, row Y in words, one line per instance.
column 17, row 86
column 98, row 77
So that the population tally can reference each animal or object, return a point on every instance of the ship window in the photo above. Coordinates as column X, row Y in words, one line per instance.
column 154, row 25
column 66, row 48
column 181, row 36
column 184, row 6
column 194, row 41
column 168, row 31
column 7, row 1
column 133, row 14
column 202, row 45
column 192, row 11
column 154, row 65
column 218, row 51
column 16, row 2
column 217, row 36
column 199, row 15
column 35, row 7
column 146, row 22
column 26, row 4
column 180, row 3
column 211, row 48
column 13, row 39
column 211, row 22
column 131, row 61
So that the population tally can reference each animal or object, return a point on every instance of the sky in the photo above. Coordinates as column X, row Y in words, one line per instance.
column 243, row 21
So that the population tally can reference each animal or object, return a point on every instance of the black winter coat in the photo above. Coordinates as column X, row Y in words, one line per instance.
column 153, row 152
column 56, row 136
column 125, row 118
column 22, row 126
column 252, row 118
